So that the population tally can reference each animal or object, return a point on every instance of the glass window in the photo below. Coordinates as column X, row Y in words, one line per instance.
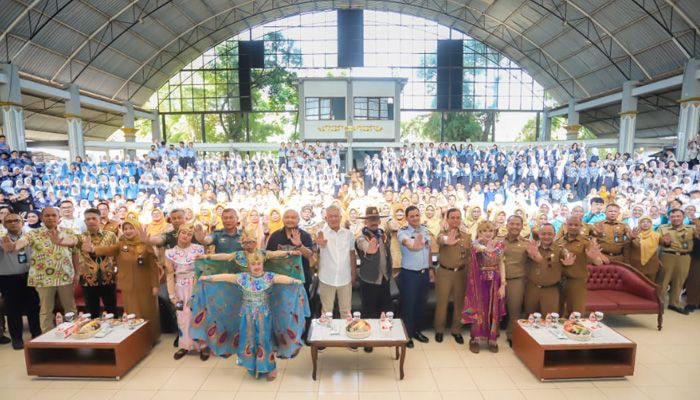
column 373, row 108
column 325, row 108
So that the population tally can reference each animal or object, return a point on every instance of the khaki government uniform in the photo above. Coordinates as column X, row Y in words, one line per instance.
column 676, row 260
column 585, row 231
column 543, row 278
column 613, row 240
column 515, row 257
column 451, row 279
column 574, row 291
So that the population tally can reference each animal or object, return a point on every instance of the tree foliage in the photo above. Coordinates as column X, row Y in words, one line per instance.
column 217, row 89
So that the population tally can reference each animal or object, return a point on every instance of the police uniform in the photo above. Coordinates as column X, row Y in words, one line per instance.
column 515, row 257
column 676, row 259
column 613, row 240
column 451, row 279
column 414, row 278
column 574, row 291
column 543, row 278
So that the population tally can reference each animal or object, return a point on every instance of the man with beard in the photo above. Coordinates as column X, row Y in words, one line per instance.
column 292, row 238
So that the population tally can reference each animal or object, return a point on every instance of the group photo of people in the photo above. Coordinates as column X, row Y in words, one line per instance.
column 261, row 243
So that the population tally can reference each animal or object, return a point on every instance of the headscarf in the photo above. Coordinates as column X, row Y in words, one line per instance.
column 434, row 224
column 473, row 223
column 273, row 226
column 394, row 209
column 649, row 241
column 136, row 240
column 157, row 227
column 38, row 223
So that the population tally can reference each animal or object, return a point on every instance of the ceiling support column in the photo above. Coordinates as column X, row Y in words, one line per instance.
column 572, row 126
column 628, row 119
column 689, row 116
column 76, row 141
column 12, row 111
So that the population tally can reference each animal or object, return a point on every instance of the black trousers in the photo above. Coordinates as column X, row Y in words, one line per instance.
column 20, row 299
column 93, row 295
column 375, row 299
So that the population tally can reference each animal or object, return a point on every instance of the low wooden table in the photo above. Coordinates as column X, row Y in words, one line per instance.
column 608, row 354
column 319, row 336
column 109, row 357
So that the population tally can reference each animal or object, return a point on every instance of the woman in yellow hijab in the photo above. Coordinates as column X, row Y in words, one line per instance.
column 432, row 219
column 473, row 218
column 158, row 224
column 645, row 249
column 253, row 226
column 218, row 210
column 274, row 221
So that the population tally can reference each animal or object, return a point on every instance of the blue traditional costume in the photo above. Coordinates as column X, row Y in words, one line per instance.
column 254, row 317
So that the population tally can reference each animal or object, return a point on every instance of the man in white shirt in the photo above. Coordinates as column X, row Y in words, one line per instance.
column 336, row 265
column 68, row 222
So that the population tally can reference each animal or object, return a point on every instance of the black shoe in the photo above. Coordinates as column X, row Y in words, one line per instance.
column 690, row 308
column 420, row 337
column 678, row 310
column 4, row 339
column 410, row 343
column 438, row 337
column 17, row 344
column 510, row 343
column 369, row 349
column 458, row 338
column 176, row 342
column 353, row 348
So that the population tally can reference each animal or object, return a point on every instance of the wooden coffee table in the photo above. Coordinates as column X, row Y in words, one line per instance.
column 319, row 336
column 109, row 357
column 608, row 354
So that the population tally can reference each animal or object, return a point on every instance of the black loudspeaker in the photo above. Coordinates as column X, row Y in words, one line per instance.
column 351, row 36
column 450, row 54
column 251, row 54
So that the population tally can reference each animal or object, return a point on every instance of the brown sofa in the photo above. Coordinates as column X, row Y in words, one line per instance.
column 617, row 288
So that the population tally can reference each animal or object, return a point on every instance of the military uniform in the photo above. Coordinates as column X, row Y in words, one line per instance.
column 451, row 278
column 613, row 240
column 676, row 259
column 515, row 257
column 543, row 278
column 574, row 291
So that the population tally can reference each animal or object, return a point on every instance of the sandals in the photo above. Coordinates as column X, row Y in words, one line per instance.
column 474, row 346
column 204, row 354
column 179, row 354
column 493, row 347
column 271, row 375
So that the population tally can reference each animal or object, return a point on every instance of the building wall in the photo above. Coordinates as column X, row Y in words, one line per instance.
column 368, row 130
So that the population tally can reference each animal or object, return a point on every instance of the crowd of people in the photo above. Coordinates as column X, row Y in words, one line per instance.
column 513, row 231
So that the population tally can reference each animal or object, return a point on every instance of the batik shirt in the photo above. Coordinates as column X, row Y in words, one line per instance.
column 50, row 265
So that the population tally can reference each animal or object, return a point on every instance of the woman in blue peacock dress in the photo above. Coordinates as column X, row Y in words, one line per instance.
column 250, row 310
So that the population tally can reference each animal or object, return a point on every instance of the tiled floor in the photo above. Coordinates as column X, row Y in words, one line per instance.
column 668, row 367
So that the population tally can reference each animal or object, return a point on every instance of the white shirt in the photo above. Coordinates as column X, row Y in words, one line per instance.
column 334, row 259
column 75, row 225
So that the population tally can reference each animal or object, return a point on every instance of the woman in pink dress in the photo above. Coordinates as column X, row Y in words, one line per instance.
column 179, row 265
column 484, row 304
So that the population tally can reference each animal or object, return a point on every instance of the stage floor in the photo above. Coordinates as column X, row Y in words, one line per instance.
column 668, row 365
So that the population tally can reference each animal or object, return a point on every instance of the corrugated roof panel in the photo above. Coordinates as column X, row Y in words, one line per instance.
column 115, row 63
column 601, row 80
column 81, row 17
column 38, row 61
column 59, row 38
column 99, row 83
column 617, row 14
column 111, row 7
column 10, row 11
column 662, row 58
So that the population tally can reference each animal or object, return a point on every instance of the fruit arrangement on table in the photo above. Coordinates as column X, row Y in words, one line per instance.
column 358, row 329
column 576, row 331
